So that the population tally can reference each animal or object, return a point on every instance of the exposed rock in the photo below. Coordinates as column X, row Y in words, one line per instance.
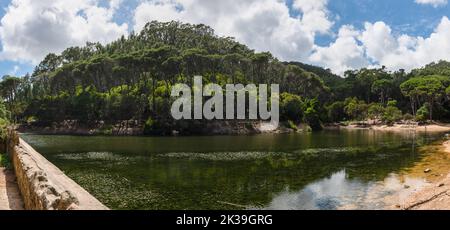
column 121, row 128
column 136, row 128
column 434, row 197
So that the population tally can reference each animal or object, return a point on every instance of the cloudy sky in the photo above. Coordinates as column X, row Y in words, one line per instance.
column 336, row 34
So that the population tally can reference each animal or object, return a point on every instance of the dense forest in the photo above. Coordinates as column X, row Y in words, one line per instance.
column 131, row 79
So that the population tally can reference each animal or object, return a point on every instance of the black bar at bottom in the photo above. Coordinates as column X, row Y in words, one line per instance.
column 214, row 219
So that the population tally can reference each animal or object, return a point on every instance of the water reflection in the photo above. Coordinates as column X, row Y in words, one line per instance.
column 340, row 192
column 325, row 170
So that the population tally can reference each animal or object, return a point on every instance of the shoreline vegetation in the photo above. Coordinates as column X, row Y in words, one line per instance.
column 124, row 88
column 130, row 81
column 134, row 128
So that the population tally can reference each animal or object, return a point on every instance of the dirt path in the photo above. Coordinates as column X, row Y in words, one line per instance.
column 10, row 198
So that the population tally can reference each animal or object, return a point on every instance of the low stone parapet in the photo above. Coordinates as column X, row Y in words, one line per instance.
column 43, row 186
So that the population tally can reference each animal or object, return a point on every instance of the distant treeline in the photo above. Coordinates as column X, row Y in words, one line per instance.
column 131, row 79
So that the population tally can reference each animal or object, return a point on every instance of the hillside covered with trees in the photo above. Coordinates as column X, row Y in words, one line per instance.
column 131, row 79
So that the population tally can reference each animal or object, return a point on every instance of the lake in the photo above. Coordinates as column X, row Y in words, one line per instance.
column 326, row 170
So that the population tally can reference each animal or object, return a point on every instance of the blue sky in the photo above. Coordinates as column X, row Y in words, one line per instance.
column 402, row 15
column 343, row 28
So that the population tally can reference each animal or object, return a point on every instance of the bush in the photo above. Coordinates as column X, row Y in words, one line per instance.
column 356, row 109
column 4, row 161
column 408, row 117
column 4, row 113
column 392, row 103
column 392, row 114
column 311, row 114
column 336, row 112
column 157, row 127
column 376, row 111
column 3, row 128
column 292, row 125
column 149, row 126
column 291, row 107
column 423, row 113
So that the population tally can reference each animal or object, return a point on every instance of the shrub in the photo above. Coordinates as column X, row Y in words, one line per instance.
column 3, row 128
column 423, row 113
column 336, row 112
column 149, row 126
column 408, row 117
column 311, row 114
column 4, row 161
column 392, row 114
column 376, row 111
column 291, row 107
column 4, row 113
column 292, row 125
column 356, row 109
column 157, row 127
column 392, row 103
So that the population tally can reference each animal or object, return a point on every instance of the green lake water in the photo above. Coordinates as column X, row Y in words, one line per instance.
column 325, row 170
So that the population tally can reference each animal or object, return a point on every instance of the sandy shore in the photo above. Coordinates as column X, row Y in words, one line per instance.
column 401, row 127
column 433, row 197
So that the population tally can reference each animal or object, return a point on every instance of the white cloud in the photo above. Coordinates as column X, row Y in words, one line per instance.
column 264, row 25
column 159, row 11
column 30, row 29
column 267, row 25
column 315, row 15
column 377, row 45
column 14, row 70
column 344, row 54
column 408, row 52
column 377, row 40
column 434, row 3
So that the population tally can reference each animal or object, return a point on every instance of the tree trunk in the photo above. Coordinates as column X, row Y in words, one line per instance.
column 431, row 109
column 413, row 107
column 153, row 95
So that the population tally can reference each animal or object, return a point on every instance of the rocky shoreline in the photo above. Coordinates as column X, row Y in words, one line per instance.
column 73, row 127
column 135, row 128
column 433, row 197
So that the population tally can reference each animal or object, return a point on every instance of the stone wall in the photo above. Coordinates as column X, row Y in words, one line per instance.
column 43, row 186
